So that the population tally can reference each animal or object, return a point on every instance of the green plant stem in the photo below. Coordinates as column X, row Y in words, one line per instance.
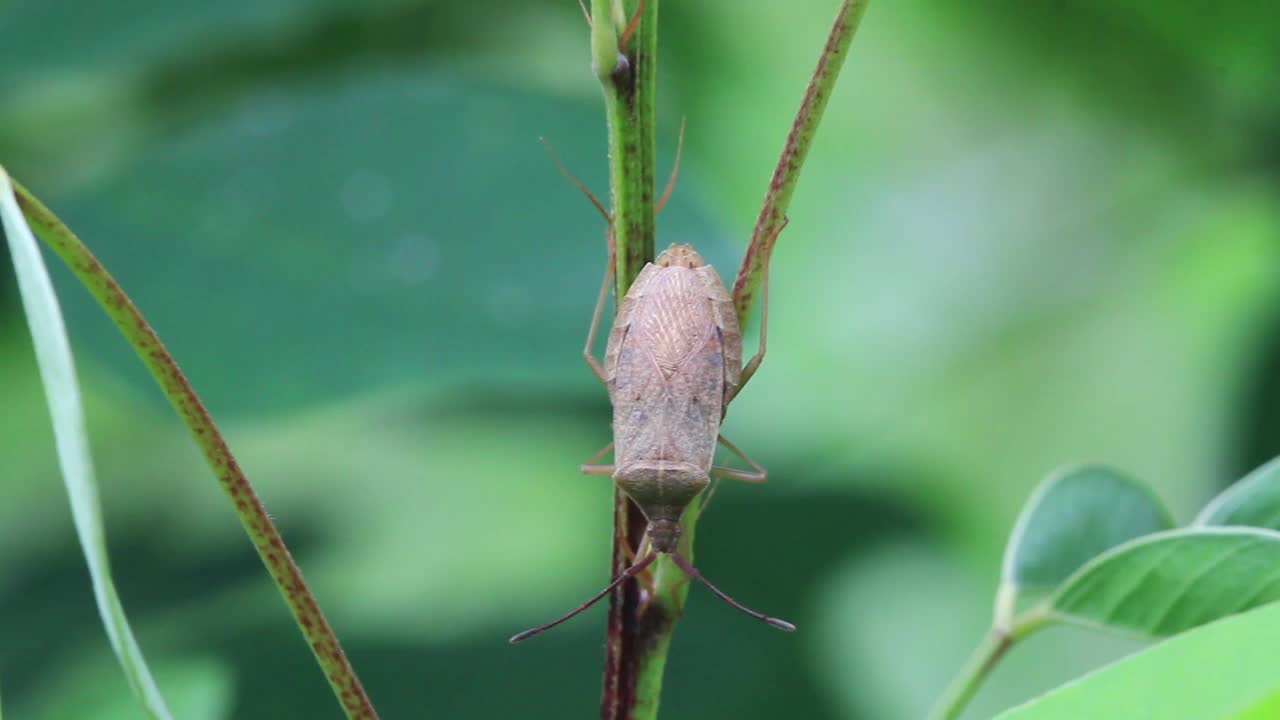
column 629, row 83
column 639, row 634
column 787, row 173
column 999, row 639
column 975, row 671
column 667, row 593
column 253, row 516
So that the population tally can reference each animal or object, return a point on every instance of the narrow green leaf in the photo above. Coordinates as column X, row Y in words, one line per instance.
column 1223, row 671
column 1173, row 581
column 1252, row 501
column 57, row 373
column 1076, row 514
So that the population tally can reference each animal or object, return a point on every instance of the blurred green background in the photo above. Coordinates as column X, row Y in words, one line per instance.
column 1029, row 234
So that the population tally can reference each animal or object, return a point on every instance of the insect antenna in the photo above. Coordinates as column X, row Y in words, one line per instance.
column 629, row 572
column 692, row 572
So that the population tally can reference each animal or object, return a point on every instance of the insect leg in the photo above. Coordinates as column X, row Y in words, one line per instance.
column 645, row 576
column 578, row 183
column 590, row 468
column 594, row 364
column 756, row 474
column 711, row 492
column 631, row 27
column 676, row 586
column 587, row 353
column 675, row 170
column 754, row 364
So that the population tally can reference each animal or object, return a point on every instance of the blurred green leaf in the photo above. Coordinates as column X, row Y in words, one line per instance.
column 57, row 372
column 1253, row 501
column 1075, row 515
column 1172, row 581
column 1267, row 708
column 451, row 464
column 1224, row 671
column 199, row 688
column 417, row 270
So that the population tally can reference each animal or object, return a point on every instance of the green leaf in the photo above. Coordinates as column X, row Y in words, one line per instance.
column 1253, row 501
column 377, row 241
column 197, row 688
column 1173, row 581
column 1267, row 708
column 57, row 373
column 1223, row 671
column 1076, row 514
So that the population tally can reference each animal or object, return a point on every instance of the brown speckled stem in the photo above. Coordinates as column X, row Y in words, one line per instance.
column 787, row 173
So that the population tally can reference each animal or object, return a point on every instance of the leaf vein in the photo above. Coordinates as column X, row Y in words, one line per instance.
column 1178, row 597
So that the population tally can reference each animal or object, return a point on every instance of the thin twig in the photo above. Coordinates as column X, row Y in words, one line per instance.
column 980, row 664
column 787, row 172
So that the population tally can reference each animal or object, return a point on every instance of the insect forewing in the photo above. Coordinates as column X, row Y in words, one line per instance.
column 726, row 319
column 666, row 358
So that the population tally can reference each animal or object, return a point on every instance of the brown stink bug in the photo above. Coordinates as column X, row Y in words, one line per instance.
column 672, row 365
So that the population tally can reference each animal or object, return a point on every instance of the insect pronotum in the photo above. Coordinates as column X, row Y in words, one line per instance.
column 672, row 365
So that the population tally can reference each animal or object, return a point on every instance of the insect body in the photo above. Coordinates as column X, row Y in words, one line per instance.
column 672, row 364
